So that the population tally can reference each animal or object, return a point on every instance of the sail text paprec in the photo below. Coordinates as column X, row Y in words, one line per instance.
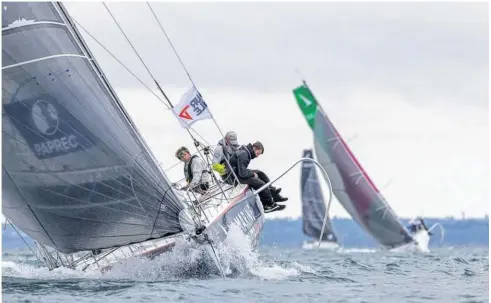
column 49, row 129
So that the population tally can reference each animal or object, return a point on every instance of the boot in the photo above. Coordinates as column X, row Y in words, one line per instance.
column 277, row 197
column 273, row 207
column 274, row 190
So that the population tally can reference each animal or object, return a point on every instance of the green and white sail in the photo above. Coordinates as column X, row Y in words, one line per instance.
column 351, row 184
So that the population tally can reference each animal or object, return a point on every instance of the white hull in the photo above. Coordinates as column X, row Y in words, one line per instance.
column 323, row 245
column 211, row 212
column 420, row 244
column 423, row 240
column 126, row 252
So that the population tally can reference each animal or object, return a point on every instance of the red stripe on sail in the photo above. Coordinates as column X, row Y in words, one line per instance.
column 353, row 156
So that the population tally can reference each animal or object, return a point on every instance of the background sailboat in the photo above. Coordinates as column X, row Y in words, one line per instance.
column 314, row 208
column 351, row 184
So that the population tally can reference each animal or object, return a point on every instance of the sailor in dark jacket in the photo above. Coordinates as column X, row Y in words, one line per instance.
column 240, row 160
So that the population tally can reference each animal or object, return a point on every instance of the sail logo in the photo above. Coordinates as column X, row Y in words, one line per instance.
column 45, row 117
column 184, row 113
column 48, row 128
column 199, row 106
column 305, row 100
column 191, row 108
column 48, row 147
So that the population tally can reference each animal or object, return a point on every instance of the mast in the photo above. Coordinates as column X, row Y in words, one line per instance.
column 195, row 141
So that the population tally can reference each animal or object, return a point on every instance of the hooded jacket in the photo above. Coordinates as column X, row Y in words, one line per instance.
column 240, row 161
column 222, row 151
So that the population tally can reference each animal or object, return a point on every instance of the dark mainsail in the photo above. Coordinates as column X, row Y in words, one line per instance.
column 76, row 174
column 351, row 185
column 313, row 204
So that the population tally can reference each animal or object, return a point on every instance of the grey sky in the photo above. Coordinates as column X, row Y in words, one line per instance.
column 257, row 46
column 410, row 79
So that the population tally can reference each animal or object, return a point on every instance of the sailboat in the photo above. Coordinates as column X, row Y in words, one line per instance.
column 314, row 209
column 351, row 185
column 77, row 176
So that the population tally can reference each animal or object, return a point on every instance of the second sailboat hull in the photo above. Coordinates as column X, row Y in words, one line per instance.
column 323, row 245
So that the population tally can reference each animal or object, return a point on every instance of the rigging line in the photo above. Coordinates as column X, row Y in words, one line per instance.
column 52, row 174
column 159, row 209
column 85, row 148
column 25, row 242
column 150, row 73
column 88, row 203
column 131, row 44
column 139, row 57
column 189, row 76
column 81, row 103
column 82, row 135
column 137, row 198
column 30, row 208
column 172, row 45
column 119, row 61
column 146, row 67
column 158, row 86
column 80, row 186
column 136, row 77
column 197, row 134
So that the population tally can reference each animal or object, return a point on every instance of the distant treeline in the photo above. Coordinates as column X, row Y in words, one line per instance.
column 288, row 233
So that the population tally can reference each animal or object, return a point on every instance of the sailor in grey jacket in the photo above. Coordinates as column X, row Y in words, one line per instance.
column 195, row 170
column 223, row 151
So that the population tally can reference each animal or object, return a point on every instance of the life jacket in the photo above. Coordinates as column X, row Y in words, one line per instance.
column 188, row 171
